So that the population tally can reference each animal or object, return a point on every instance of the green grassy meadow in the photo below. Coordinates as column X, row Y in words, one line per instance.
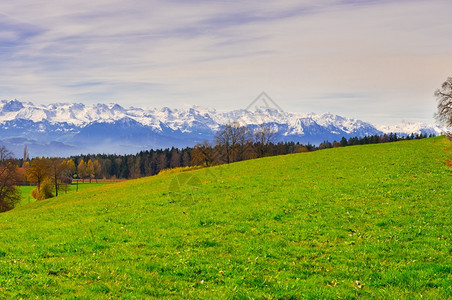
column 26, row 190
column 25, row 196
column 369, row 221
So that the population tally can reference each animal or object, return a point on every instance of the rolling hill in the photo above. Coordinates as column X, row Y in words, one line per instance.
column 364, row 221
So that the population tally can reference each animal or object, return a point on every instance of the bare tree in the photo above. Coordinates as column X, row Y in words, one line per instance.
column 58, row 170
column 202, row 154
column 263, row 137
column 233, row 138
column 5, row 155
column 444, row 98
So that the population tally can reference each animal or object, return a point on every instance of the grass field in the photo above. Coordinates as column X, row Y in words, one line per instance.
column 26, row 198
column 365, row 221
column 26, row 190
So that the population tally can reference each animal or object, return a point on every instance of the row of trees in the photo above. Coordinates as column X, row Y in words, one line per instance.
column 373, row 139
column 49, row 174
column 151, row 162
column 145, row 163
column 235, row 143
column 55, row 174
column 232, row 143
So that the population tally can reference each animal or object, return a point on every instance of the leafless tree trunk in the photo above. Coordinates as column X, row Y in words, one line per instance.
column 444, row 98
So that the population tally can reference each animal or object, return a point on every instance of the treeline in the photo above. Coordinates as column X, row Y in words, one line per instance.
column 373, row 139
column 49, row 175
column 235, row 143
column 151, row 162
column 145, row 163
column 232, row 143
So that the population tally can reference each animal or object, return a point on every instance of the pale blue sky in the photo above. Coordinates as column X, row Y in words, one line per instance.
column 379, row 61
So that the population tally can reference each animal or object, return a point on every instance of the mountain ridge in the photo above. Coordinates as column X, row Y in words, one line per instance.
column 111, row 128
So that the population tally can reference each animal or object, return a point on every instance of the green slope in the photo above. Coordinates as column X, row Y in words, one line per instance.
column 370, row 221
column 25, row 191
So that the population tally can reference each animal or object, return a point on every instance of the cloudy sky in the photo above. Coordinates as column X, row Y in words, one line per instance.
column 379, row 61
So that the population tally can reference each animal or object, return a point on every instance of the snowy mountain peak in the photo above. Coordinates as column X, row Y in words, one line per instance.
column 127, row 130
column 405, row 127
column 11, row 106
column 79, row 114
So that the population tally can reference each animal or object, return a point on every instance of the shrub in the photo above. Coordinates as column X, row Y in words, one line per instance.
column 44, row 192
column 179, row 170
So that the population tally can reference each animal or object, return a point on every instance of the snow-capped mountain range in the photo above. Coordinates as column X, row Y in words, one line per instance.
column 64, row 129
